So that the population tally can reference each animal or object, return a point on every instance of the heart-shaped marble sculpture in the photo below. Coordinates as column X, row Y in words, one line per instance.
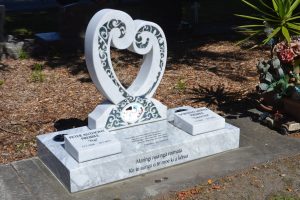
column 134, row 105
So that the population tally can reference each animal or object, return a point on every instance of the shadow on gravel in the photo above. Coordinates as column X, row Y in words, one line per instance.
column 64, row 124
column 180, row 48
column 235, row 104
column 3, row 67
column 76, row 64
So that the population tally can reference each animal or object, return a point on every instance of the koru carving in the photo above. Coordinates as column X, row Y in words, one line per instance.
column 134, row 105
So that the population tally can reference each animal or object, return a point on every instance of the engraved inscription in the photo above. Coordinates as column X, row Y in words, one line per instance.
column 149, row 138
column 159, row 160
column 199, row 115
column 88, row 139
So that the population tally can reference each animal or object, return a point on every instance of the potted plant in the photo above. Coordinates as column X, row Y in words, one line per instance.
column 279, row 83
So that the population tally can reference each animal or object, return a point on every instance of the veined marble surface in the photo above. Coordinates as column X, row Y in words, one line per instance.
column 171, row 112
column 91, row 145
column 145, row 148
column 116, row 28
column 198, row 121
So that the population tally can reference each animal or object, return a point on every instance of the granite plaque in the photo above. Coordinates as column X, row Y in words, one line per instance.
column 92, row 144
column 197, row 121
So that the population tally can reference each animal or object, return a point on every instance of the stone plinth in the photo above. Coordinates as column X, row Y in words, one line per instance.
column 145, row 148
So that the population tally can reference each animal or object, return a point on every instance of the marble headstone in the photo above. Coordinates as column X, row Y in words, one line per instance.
column 91, row 144
column 132, row 133
column 197, row 121
column 134, row 105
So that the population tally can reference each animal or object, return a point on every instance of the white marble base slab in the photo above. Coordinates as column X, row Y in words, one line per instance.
column 145, row 148
column 199, row 120
column 91, row 144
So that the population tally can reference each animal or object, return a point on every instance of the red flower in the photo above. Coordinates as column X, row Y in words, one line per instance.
column 286, row 55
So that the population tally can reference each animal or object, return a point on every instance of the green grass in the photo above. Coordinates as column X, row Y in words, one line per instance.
column 22, row 32
column 23, row 55
column 283, row 198
column 1, row 82
column 37, row 74
column 180, row 85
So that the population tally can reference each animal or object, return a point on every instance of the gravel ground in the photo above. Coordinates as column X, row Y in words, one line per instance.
column 277, row 180
column 199, row 72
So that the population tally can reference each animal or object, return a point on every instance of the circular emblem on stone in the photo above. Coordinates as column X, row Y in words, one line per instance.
column 132, row 112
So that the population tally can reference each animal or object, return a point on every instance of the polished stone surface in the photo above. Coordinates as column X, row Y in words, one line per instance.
column 91, row 144
column 145, row 148
column 172, row 111
column 198, row 121
column 116, row 28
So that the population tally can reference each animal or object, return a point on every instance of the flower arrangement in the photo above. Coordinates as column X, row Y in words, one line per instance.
column 278, row 22
column 288, row 53
column 280, row 75
column 289, row 57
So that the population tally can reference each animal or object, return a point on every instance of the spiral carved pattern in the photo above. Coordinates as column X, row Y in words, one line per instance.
column 151, row 112
column 161, row 42
column 103, row 41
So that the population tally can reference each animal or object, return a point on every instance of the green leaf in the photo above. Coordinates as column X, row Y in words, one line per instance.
column 293, row 7
column 250, row 17
column 269, row 77
column 264, row 4
column 281, row 8
column 263, row 86
column 247, row 31
column 251, row 26
column 287, row 6
column 272, row 20
column 277, row 17
column 249, row 37
column 295, row 32
column 293, row 26
column 258, row 9
column 293, row 18
column 257, row 18
column 275, row 5
column 270, row 88
column 272, row 35
column 286, row 34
